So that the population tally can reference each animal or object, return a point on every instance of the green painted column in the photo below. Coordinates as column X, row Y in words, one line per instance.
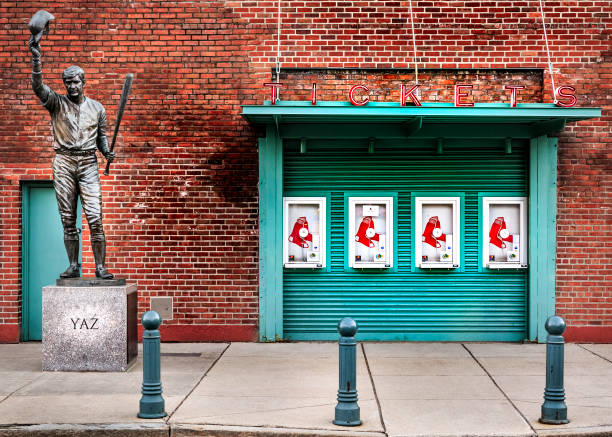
column 542, row 234
column 270, row 236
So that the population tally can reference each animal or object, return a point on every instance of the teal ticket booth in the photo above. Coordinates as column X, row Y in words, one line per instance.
column 428, row 223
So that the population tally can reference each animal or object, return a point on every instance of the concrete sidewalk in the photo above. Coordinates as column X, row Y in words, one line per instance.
column 289, row 389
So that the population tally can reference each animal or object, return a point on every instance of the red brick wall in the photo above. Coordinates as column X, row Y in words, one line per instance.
column 181, row 200
column 180, row 205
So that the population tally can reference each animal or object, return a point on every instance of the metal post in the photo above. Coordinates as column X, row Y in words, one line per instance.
column 151, row 402
column 554, row 410
column 347, row 410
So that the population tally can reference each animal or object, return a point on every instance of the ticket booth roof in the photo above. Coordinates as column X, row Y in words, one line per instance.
column 301, row 119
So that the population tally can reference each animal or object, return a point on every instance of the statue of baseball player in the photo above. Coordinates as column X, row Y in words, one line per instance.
column 79, row 129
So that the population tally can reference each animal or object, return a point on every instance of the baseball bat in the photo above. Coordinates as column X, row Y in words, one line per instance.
column 125, row 92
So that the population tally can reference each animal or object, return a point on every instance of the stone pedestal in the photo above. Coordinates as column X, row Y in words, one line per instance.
column 89, row 327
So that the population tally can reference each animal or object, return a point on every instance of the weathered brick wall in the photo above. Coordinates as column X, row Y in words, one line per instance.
column 181, row 200
column 180, row 205
column 584, row 212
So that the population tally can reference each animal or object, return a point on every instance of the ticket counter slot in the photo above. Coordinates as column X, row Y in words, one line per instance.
column 504, row 232
column 437, row 233
column 304, row 232
column 370, row 235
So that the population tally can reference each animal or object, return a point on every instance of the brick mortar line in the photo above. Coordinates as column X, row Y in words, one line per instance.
column 535, row 433
column 382, row 419
column 196, row 384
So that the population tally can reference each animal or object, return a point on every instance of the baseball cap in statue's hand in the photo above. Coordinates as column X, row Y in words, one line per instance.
column 39, row 24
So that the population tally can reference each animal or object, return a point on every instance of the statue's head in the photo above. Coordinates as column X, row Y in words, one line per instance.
column 74, row 81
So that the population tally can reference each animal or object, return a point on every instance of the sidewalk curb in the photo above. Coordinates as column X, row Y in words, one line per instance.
column 185, row 430
column 89, row 430
column 188, row 430
column 164, row 430
column 591, row 431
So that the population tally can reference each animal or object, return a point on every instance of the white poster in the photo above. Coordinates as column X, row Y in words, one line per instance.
column 504, row 233
column 437, row 232
column 370, row 232
column 304, row 232
column 437, row 223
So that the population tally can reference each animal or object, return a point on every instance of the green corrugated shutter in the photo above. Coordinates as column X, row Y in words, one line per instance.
column 405, row 304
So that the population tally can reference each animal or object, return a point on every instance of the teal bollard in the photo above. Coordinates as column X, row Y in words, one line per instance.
column 347, row 410
column 151, row 403
column 554, row 410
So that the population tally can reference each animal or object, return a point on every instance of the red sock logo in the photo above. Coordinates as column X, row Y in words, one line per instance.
column 366, row 233
column 432, row 234
column 300, row 233
column 499, row 234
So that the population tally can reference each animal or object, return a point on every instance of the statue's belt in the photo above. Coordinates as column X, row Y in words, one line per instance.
column 69, row 152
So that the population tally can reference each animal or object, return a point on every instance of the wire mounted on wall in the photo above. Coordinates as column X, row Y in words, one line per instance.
column 416, row 67
column 278, row 43
column 550, row 67
column 277, row 85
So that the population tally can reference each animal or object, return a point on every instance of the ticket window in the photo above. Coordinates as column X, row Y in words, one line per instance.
column 437, row 233
column 370, row 235
column 504, row 232
column 304, row 232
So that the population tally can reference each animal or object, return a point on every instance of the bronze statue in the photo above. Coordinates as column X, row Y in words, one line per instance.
column 79, row 128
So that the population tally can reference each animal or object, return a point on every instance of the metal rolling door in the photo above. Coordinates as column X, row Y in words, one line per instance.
column 406, row 304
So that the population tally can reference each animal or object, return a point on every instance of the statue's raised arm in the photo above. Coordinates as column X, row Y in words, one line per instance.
column 39, row 26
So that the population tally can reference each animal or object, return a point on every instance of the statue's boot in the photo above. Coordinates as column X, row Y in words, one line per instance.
column 99, row 252
column 74, row 269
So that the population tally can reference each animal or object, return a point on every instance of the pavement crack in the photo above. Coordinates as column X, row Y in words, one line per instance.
column 167, row 419
column 21, row 387
column 380, row 414
column 594, row 353
column 263, row 410
column 500, row 389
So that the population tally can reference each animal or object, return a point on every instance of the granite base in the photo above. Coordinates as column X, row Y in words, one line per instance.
column 89, row 328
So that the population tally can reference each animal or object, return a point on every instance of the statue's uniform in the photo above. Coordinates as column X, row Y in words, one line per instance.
column 78, row 130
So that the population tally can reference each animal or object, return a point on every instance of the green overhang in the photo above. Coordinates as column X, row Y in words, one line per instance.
column 301, row 119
